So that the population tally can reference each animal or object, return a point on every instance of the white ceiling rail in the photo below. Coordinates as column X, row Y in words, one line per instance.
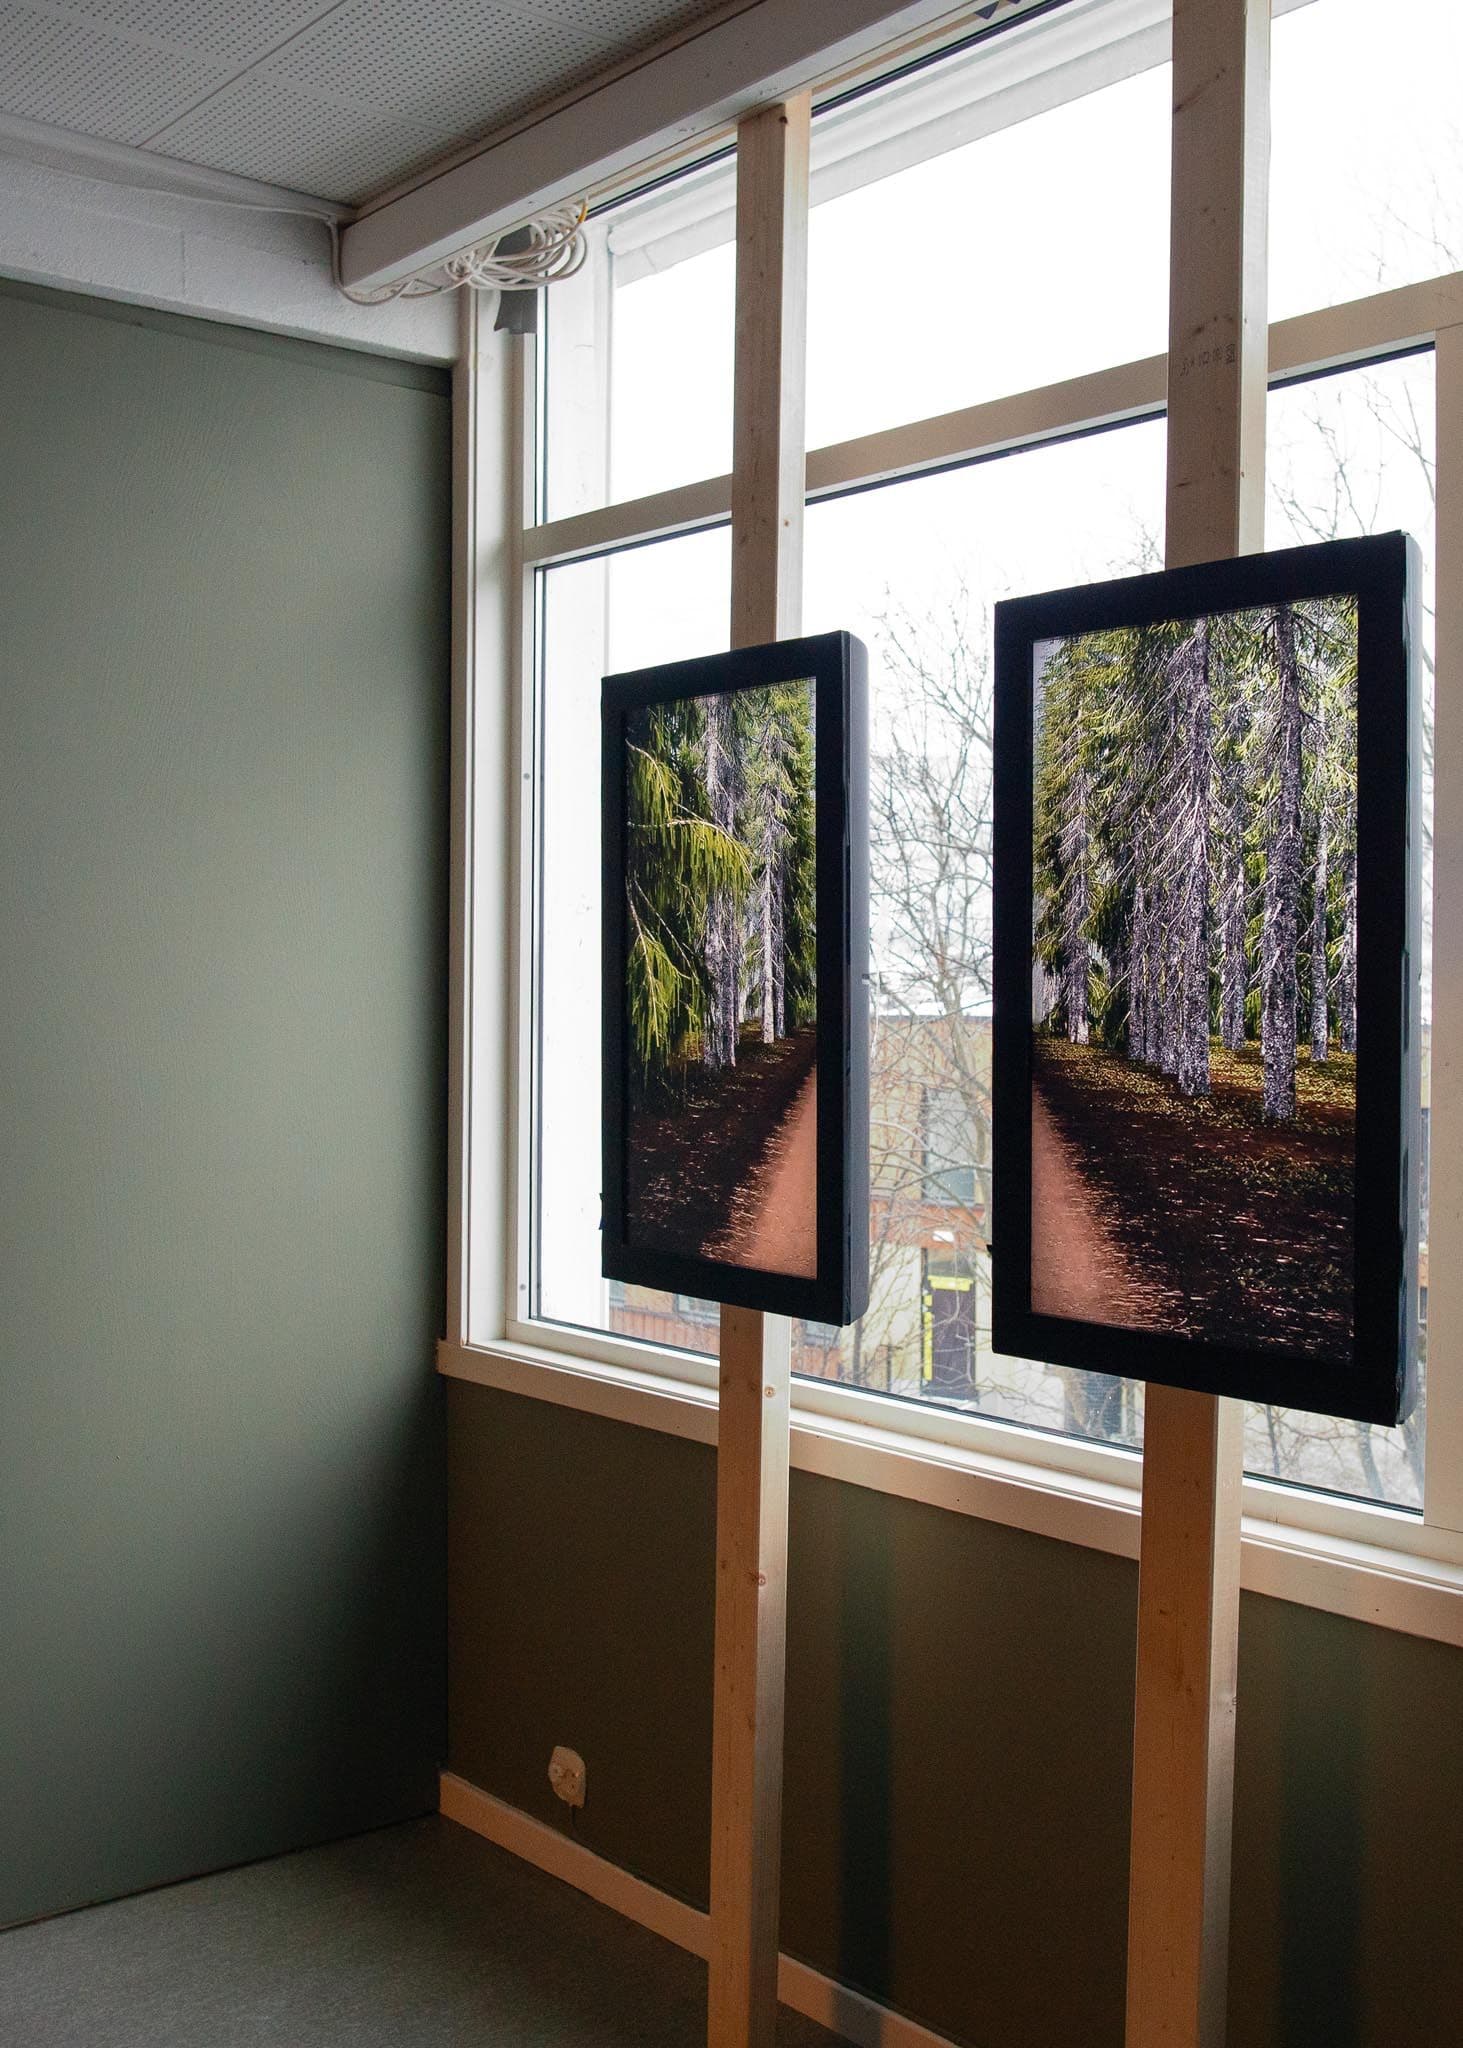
column 770, row 49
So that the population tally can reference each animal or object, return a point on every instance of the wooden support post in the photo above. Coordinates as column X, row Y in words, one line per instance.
column 751, row 1613
column 752, row 1429
column 1188, row 1587
column 769, row 464
column 1183, row 1742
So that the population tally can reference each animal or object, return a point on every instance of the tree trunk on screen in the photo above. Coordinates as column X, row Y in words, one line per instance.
column 723, row 932
column 1170, row 1006
column 779, row 950
column 768, row 951
column 1233, row 972
column 1320, row 1021
column 1190, row 851
column 1282, row 885
column 1076, row 906
column 1346, row 978
column 1138, row 976
column 1232, row 891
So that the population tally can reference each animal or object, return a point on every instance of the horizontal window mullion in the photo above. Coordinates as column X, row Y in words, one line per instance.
column 689, row 508
column 1000, row 426
column 1310, row 344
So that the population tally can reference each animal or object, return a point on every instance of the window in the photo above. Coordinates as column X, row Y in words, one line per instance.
column 909, row 542
column 952, row 1133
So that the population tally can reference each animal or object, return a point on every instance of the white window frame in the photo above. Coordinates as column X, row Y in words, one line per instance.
column 1372, row 1562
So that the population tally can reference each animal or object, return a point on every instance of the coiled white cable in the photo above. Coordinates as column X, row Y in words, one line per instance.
column 555, row 249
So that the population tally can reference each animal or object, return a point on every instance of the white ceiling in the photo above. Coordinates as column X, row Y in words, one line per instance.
column 339, row 100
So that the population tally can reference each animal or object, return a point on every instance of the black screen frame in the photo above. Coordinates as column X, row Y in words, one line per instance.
column 837, row 664
column 1378, row 1383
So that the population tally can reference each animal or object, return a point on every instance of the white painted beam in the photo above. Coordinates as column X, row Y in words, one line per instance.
column 769, row 51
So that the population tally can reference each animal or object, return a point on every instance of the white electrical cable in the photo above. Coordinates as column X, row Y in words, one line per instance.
column 556, row 246
column 556, row 249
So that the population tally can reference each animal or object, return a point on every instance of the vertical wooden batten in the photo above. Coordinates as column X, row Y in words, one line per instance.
column 1188, row 1597
column 1217, row 322
column 753, row 1423
column 769, row 463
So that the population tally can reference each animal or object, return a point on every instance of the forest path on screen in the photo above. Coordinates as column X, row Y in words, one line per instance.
column 1078, row 1268
column 774, row 1222
column 1215, row 1221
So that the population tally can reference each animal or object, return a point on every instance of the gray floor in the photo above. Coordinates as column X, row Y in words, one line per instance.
column 420, row 1936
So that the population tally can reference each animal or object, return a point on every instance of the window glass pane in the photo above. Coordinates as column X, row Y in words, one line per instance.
column 993, row 223
column 1366, row 164
column 1354, row 454
column 638, row 348
column 949, row 1148
column 628, row 610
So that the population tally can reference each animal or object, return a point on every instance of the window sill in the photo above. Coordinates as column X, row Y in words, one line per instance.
column 1367, row 1563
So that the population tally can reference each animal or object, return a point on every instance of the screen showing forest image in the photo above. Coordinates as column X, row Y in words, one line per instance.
column 1194, row 977
column 720, row 997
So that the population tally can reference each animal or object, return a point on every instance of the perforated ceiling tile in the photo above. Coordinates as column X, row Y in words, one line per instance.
column 372, row 92
column 74, row 76
column 237, row 30
column 488, row 55
column 338, row 97
column 259, row 128
column 630, row 21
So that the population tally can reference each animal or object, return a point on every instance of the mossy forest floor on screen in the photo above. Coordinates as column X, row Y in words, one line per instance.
column 1190, row 1213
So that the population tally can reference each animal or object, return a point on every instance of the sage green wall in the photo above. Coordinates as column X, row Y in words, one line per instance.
column 958, row 1728
column 224, row 686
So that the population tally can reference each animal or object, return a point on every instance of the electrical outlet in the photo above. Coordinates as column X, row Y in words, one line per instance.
column 566, row 1775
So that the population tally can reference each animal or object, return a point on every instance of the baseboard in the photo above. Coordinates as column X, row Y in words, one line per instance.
column 858, row 2019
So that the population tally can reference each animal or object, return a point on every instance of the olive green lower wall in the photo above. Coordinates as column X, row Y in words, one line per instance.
column 958, row 1726
column 224, row 693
